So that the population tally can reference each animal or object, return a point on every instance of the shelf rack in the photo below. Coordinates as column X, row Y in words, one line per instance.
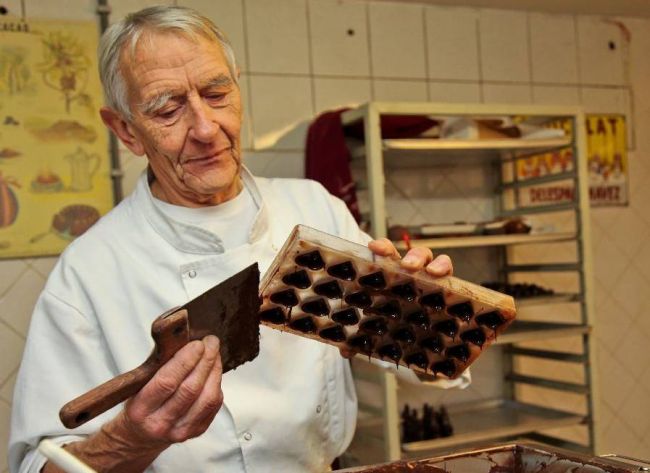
column 506, row 417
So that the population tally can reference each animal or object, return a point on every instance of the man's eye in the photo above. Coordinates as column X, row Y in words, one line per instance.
column 169, row 113
column 215, row 99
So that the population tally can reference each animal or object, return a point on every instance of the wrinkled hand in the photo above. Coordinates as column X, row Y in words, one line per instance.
column 181, row 400
column 414, row 260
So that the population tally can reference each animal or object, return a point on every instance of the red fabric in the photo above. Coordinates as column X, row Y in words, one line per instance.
column 327, row 158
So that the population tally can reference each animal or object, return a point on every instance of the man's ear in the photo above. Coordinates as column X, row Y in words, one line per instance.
column 122, row 129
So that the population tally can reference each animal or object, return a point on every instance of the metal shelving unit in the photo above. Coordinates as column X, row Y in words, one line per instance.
column 506, row 417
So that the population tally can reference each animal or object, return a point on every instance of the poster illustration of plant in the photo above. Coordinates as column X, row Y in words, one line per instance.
column 54, row 164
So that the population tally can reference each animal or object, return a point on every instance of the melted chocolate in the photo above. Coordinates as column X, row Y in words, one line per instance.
column 446, row 367
column 404, row 291
column 404, row 334
column 434, row 300
column 392, row 351
column 347, row 316
column 344, row 271
column 299, row 279
column 330, row 289
column 419, row 319
column 274, row 315
column 475, row 336
column 433, row 344
column 447, row 327
column 419, row 359
column 362, row 343
column 334, row 333
column 311, row 260
column 376, row 326
column 463, row 311
column 373, row 280
column 490, row 320
column 286, row 298
column 390, row 309
column 460, row 352
column 303, row 324
column 359, row 299
column 317, row 307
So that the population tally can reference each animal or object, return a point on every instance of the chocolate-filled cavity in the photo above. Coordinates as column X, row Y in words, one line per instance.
column 287, row 298
column 375, row 326
column 347, row 316
column 274, row 315
column 344, row 271
column 405, row 335
column 317, row 307
column 392, row 351
column 404, row 291
column 447, row 327
column 433, row 344
column 312, row 260
column 390, row 309
column 359, row 299
column 463, row 311
column 374, row 281
column 460, row 352
column 304, row 324
column 335, row 333
column 418, row 359
column 299, row 279
column 446, row 367
column 491, row 320
column 419, row 319
column 362, row 343
column 330, row 289
column 475, row 336
column 434, row 301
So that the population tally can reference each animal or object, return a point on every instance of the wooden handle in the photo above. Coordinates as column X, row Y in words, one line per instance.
column 170, row 332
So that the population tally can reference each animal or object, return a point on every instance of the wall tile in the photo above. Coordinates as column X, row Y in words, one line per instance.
column 556, row 95
column 504, row 46
column 13, row 7
column 7, row 389
column 120, row 8
column 507, row 93
column 44, row 265
column 400, row 90
column 599, row 64
column 228, row 16
column 10, row 271
column 269, row 164
column 5, row 419
column 397, row 40
column 452, row 43
column 16, row 305
column 277, row 36
column 336, row 93
column 457, row 92
column 12, row 351
column 553, row 48
column 605, row 100
column 339, row 38
column 63, row 9
column 281, row 109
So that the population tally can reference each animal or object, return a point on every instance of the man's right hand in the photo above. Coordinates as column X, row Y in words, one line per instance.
column 177, row 404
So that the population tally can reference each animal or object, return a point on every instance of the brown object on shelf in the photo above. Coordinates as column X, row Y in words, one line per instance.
column 229, row 310
column 379, row 309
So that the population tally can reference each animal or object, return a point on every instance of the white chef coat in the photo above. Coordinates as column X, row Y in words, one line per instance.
column 292, row 409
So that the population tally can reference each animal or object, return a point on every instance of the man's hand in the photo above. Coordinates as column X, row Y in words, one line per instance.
column 177, row 404
column 416, row 259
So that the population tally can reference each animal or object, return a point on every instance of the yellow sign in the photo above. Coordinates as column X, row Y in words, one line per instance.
column 54, row 165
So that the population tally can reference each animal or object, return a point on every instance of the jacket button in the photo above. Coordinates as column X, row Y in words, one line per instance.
column 248, row 436
column 319, row 408
column 192, row 273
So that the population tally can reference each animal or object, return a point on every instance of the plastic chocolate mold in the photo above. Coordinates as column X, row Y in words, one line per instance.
column 325, row 288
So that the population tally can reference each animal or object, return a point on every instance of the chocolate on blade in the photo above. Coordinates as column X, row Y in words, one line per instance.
column 447, row 327
column 330, row 289
column 317, row 307
column 418, row 359
column 359, row 299
column 419, row 319
column 299, row 279
column 347, row 316
column 374, row 280
column 404, row 334
column 475, row 336
column 344, row 271
column 434, row 301
column 286, row 298
column 375, row 326
column 334, row 333
column 362, row 343
column 404, row 291
column 390, row 309
column 274, row 315
column 434, row 344
column 460, row 352
column 463, row 311
column 446, row 367
column 312, row 260
column 491, row 320
column 303, row 324
column 392, row 351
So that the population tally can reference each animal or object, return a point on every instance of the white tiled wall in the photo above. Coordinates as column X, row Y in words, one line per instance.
column 299, row 57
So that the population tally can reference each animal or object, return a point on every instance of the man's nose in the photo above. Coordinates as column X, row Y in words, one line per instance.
column 203, row 126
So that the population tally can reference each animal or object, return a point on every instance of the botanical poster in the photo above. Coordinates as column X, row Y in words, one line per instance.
column 54, row 165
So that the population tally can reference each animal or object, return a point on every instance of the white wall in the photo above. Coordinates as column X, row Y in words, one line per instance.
column 299, row 57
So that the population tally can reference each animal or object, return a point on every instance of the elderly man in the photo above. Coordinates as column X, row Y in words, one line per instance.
column 195, row 218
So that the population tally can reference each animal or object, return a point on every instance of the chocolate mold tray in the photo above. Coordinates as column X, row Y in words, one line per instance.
column 338, row 292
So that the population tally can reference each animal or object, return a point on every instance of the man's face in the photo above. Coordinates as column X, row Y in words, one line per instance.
column 187, row 117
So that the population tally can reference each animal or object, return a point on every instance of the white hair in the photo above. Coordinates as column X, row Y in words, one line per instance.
column 129, row 30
